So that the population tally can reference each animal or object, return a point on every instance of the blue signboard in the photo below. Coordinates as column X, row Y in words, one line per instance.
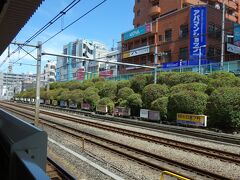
column 58, row 75
column 198, row 30
column 137, row 32
column 184, row 63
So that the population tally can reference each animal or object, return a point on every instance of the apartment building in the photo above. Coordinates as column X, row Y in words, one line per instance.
column 178, row 32
column 74, row 69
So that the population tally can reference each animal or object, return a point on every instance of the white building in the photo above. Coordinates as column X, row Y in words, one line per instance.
column 12, row 83
column 49, row 72
column 69, row 68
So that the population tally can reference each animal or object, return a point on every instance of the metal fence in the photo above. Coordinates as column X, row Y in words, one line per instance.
column 229, row 66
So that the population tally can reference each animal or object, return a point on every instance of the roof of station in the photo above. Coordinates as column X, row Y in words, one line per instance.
column 14, row 14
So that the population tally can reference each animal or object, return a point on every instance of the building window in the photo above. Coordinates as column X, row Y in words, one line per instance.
column 168, row 35
column 183, row 53
column 184, row 31
column 214, row 31
column 138, row 1
column 160, row 38
column 167, row 56
column 210, row 52
column 138, row 13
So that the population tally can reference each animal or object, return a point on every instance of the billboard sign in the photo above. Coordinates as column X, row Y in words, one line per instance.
column 136, row 52
column 106, row 73
column 80, row 74
column 236, row 38
column 198, row 28
column 137, row 32
column 233, row 48
column 192, row 119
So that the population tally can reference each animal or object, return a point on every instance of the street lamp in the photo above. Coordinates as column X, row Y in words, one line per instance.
column 200, row 58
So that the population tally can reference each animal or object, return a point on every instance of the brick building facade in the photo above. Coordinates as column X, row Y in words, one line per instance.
column 167, row 27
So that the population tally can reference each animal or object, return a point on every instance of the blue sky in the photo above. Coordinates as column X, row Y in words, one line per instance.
column 104, row 24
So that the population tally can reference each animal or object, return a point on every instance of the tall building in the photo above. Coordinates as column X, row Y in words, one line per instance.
column 49, row 72
column 12, row 83
column 178, row 32
column 71, row 68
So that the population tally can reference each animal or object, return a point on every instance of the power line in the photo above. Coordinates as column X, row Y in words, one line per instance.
column 52, row 21
column 73, row 22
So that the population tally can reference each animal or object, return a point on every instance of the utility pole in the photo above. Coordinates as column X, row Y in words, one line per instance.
column 155, row 64
column 223, row 35
column 39, row 55
column 37, row 101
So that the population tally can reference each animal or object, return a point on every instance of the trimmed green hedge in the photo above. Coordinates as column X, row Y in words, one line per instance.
column 224, row 108
column 191, row 102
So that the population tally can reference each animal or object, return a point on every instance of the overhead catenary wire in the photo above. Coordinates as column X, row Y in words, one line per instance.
column 63, row 29
column 41, row 30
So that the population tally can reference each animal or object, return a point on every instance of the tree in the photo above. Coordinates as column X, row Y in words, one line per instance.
column 86, row 84
column 91, row 97
column 138, row 82
column 108, row 90
column 161, row 105
column 108, row 102
column 152, row 92
column 123, row 83
column 76, row 96
column 134, row 102
column 224, row 108
column 189, row 87
column 190, row 102
column 172, row 79
column 124, row 93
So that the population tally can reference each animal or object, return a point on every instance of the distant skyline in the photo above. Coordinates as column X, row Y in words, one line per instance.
column 105, row 24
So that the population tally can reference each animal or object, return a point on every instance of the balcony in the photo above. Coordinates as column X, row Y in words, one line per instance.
column 154, row 10
column 232, row 4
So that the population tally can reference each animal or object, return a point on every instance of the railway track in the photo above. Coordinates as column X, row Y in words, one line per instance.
column 208, row 152
column 148, row 158
column 56, row 172
column 227, row 138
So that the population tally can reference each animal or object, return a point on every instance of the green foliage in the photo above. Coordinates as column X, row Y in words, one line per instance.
column 124, row 93
column 53, row 94
column 152, row 92
column 123, row 83
column 86, row 84
column 189, row 87
column 64, row 95
column 138, row 82
column 123, row 103
column 91, row 97
column 172, row 79
column 99, row 84
column 72, row 85
column 107, row 101
column 191, row 102
column 220, row 75
column 224, row 80
column 161, row 105
column 55, row 85
column 98, row 79
column 109, row 90
column 134, row 101
column 76, row 96
column 224, row 108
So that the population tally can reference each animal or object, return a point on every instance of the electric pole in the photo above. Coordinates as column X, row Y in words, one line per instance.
column 223, row 35
column 37, row 101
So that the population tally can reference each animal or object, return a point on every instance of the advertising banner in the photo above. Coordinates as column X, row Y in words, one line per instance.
column 236, row 38
column 198, row 30
column 137, row 32
column 80, row 74
column 58, row 75
column 136, row 52
column 192, row 119
column 106, row 73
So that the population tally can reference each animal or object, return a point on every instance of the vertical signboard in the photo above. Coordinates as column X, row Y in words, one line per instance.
column 236, row 34
column 198, row 30
column 58, row 75
column 80, row 74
